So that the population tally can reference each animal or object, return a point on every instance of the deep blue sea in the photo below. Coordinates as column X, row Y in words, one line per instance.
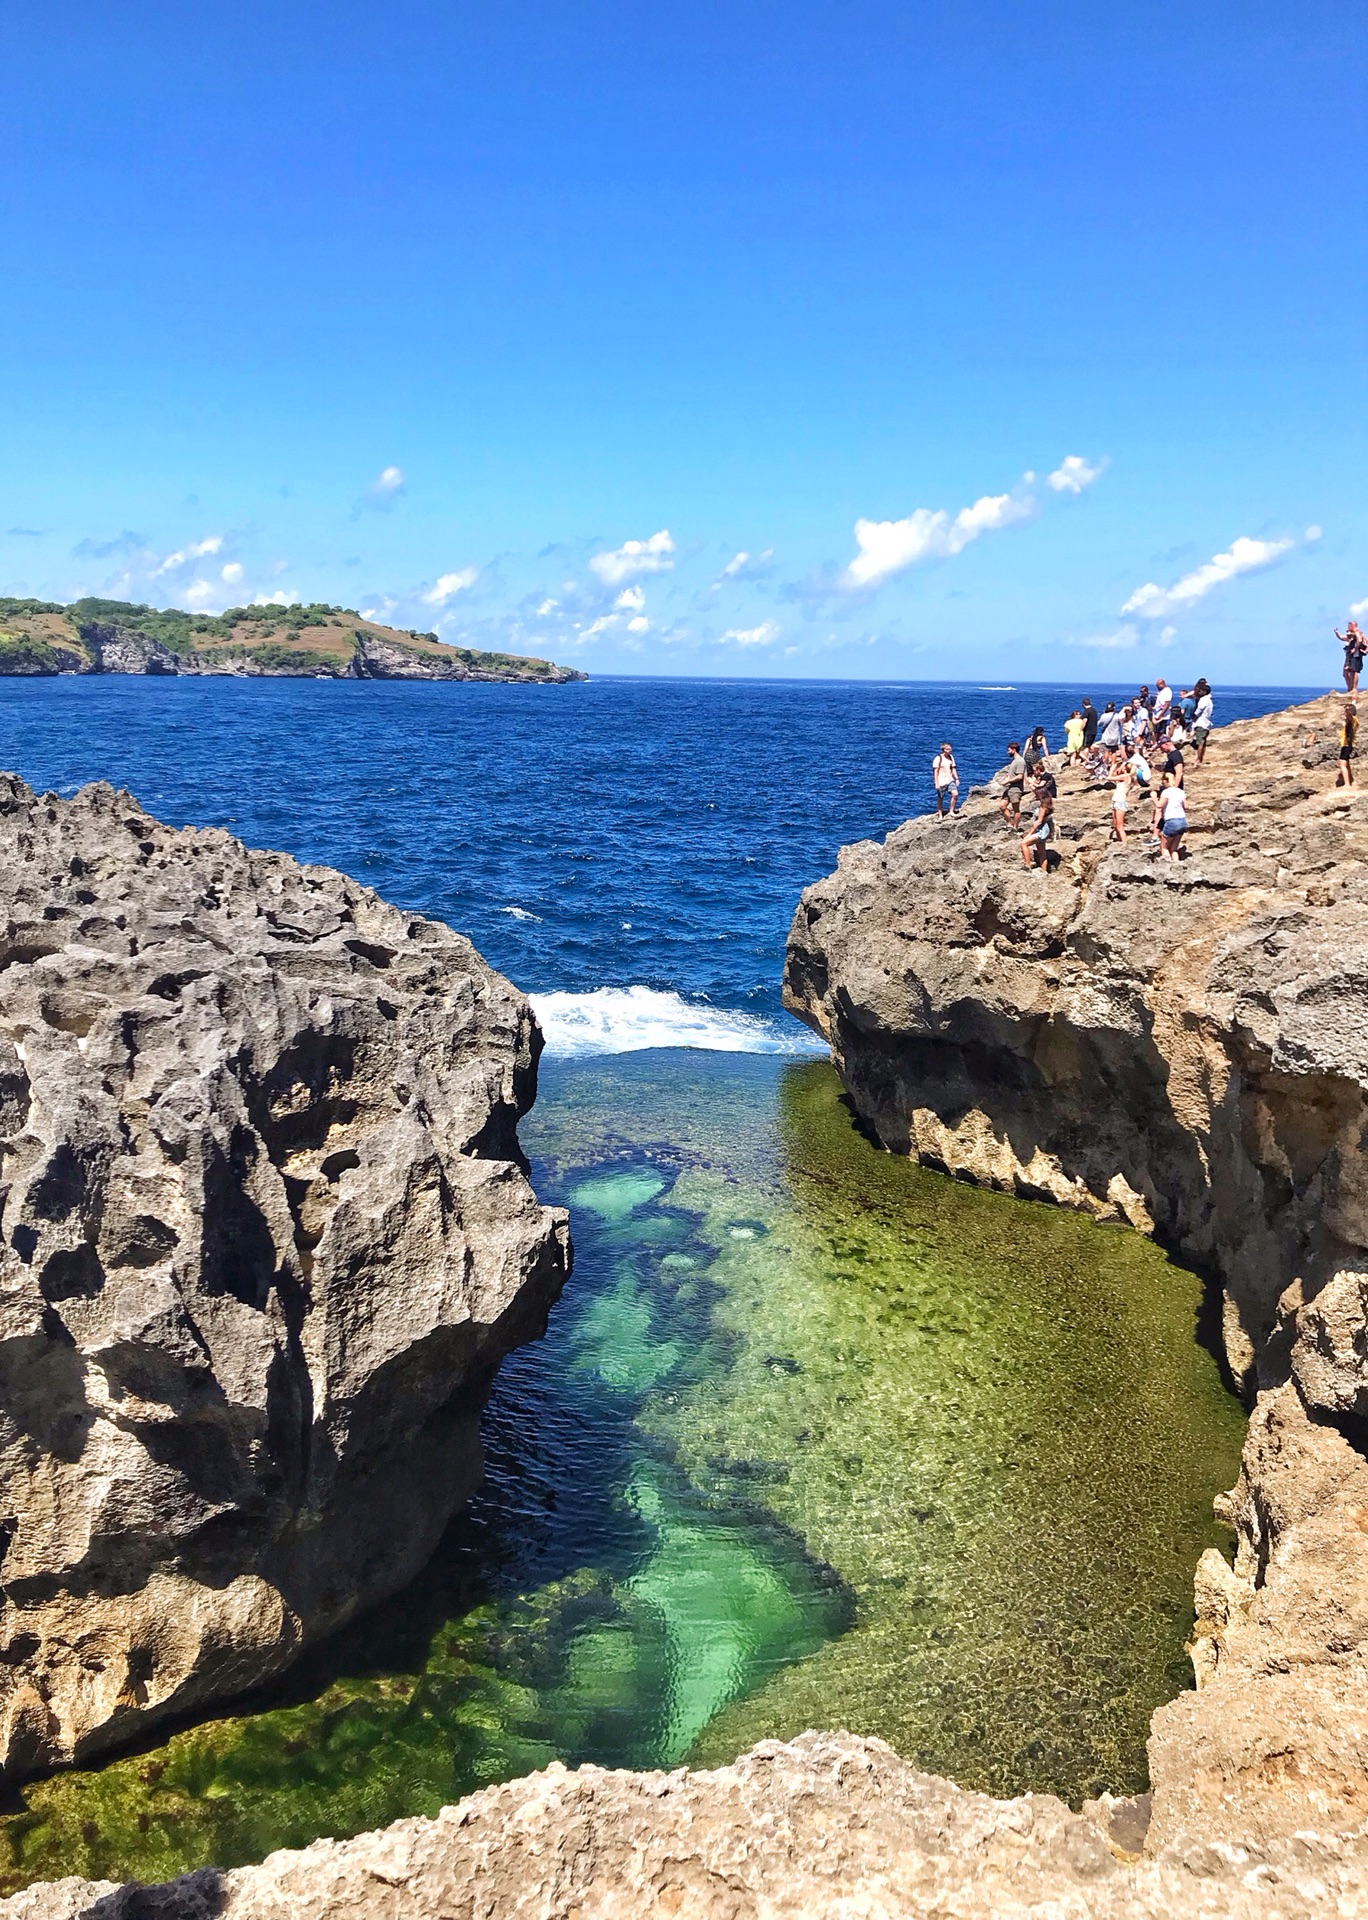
column 646, row 834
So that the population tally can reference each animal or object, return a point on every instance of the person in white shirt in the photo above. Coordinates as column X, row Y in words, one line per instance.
column 1202, row 719
column 1163, row 700
column 945, row 775
column 1172, row 817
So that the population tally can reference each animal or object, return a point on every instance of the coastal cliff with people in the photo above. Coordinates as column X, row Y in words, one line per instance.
column 1172, row 1046
column 42, row 637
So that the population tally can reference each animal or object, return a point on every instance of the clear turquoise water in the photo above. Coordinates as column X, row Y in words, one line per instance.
column 815, row 1438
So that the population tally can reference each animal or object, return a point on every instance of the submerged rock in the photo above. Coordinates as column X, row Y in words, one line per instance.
column 1182, row 1048
column 267, row 1233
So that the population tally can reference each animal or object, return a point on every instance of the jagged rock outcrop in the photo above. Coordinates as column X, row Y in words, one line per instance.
column 267, row 1233
column 1183, row 1047
column 826, row 1828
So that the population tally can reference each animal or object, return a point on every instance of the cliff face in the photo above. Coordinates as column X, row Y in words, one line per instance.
column 1183, row 1048
column 323, row 642
column 267, row 1234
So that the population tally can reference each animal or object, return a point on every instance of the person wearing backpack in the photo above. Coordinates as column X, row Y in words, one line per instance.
column 945, row 775
column 1355, row 647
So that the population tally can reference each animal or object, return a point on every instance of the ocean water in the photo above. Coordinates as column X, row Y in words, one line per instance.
column 815, row 1437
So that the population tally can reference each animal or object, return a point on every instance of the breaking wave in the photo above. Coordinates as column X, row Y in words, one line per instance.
column 630, row 1019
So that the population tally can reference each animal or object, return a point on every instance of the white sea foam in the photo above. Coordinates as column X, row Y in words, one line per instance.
column 520, row 913
column 630, row 1019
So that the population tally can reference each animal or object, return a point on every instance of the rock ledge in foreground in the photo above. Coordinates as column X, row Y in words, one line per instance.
column 827, row 1826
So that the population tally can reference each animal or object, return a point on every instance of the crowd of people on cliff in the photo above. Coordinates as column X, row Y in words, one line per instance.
column 1140, row 749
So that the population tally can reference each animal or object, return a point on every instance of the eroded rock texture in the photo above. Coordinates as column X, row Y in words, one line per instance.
column 826, row 1828
column 1184, row 1048
column 267, row 1234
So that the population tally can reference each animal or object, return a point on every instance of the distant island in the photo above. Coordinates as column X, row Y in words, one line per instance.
column 333, row 643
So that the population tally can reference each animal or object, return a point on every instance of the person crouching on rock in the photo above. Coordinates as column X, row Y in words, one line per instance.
column 945, row 774
column 1172, row 817
column 1035, row 845
column 1014, row 789
column 1348, row 742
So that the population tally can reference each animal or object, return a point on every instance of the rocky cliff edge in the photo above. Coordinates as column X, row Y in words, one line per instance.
column 1183, row 1048
column 267, row 1233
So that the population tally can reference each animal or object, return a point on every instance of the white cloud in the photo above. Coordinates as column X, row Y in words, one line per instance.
column 1314, row 533
column 1074, row 474
column 1359, row 608
column 746, row 566
column 199, row 593
column 547, row 606
column 888, row 546
column 448, row 585
column 388, row 480
column 634, row 557
column 761, row 636
column 232, row 573
column 197, row 550
column 631, row 600
column 639, row 625
column 286, row 600
column 1152, row 602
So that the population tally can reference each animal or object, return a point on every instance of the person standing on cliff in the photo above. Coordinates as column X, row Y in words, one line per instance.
column 1073, row 738
column 1014, row 788
column 1202, row 721
column 1355, row 647
column 1163, row 700
column 1111, row 727
column 1348, row 742
column 1089, row 713
column 1172, row 817
column 945, row 775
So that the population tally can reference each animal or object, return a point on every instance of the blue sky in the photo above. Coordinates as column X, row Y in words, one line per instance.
column 1003, row 341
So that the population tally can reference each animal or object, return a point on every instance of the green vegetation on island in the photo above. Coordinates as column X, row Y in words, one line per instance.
column 119, row 636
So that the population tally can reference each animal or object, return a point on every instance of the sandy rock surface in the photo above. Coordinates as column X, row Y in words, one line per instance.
column 826, row 1828
column 1183, row 1047
column 267, row 1233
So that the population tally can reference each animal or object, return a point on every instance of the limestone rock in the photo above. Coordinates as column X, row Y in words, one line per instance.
column 827, row 1826
column 267, row 1233
column 1183, row 1048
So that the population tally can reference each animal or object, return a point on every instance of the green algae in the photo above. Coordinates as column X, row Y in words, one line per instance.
column 816, row 1438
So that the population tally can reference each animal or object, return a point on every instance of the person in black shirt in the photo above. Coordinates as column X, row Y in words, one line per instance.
column 1089, row 713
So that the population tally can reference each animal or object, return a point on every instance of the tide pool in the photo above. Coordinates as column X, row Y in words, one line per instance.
column 815, row 1438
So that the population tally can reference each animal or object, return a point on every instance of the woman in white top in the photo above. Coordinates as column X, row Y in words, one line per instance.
column 1120, row 801
column 1172, row 816
column 1201, row 719
column 945, row 774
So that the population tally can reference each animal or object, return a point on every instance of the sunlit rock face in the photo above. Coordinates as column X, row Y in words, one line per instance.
column 827, row 1824
column 267, row 1233
column 1181, row 1047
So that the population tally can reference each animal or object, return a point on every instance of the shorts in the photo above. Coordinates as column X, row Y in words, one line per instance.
column 1015, row 792
column 1044, row 832
column 1172, row 828
column 1199, row 735
column 1346, row 753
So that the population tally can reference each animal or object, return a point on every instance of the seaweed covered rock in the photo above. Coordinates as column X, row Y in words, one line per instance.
column 267, row 1233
